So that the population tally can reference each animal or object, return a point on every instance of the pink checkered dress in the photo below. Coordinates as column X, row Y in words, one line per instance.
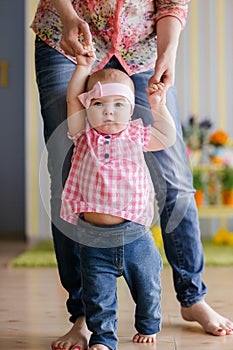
column 109, row 175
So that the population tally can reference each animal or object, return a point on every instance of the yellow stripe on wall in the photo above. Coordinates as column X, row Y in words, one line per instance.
column 31, row 129
column 194, row 59
column 221, row 64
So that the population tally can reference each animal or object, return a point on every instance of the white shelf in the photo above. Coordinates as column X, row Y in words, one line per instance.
column 215, row 211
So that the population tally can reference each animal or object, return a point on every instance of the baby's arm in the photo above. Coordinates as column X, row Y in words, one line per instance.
column 163, row 132
column 75, row 110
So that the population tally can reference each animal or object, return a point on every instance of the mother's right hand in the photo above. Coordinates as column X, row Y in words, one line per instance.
column 72, row 30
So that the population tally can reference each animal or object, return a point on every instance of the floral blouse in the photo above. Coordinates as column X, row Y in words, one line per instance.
column 122, row 28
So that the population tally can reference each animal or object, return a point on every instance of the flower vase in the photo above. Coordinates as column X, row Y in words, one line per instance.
column 213, row 188
column 199, row 198
column 227, row 197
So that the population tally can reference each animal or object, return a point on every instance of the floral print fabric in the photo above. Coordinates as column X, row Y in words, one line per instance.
column 124, row 28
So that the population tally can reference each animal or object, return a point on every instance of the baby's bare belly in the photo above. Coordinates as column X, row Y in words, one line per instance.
column 99, row 219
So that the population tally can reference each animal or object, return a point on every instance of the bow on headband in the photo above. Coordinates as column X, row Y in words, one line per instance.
column 109, row 89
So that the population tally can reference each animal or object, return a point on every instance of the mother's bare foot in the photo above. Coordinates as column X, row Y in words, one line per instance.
column 76, row 339
column 144, row 338
column 209, row 319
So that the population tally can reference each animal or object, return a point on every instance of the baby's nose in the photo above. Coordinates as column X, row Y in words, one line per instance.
column 108, row 109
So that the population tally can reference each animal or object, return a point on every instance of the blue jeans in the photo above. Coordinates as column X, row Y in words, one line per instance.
column 138, row 262
column 170, row 174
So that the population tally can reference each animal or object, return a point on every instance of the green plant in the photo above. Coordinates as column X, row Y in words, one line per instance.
column 196, row 132
column 198, row 181
column 227, row 178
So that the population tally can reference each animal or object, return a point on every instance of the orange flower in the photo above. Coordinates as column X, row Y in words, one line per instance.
column 218, row 138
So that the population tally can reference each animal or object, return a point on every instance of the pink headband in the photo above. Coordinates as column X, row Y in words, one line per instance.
column 109, row 89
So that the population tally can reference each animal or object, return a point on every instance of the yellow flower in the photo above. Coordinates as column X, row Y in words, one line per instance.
column 223, row 236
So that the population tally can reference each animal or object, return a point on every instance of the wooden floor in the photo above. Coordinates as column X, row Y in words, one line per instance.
column 32, row 309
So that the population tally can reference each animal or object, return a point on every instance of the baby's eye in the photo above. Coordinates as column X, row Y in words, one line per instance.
column 119, row 104
column 97, row 104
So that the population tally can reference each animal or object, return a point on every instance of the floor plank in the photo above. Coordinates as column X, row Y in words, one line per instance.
column 32, row 309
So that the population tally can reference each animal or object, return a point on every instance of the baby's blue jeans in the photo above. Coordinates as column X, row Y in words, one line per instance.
column 138, row 262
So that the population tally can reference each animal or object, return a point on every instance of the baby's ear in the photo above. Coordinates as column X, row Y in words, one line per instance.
column 131, row 112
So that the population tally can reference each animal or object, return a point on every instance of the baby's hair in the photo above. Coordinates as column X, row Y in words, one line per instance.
column 109, row 75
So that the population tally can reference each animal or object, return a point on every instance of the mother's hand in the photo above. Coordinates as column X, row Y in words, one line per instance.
column 72, row 30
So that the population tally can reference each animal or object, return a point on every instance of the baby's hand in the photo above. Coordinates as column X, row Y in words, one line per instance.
column 88, row 58
column 156, row 94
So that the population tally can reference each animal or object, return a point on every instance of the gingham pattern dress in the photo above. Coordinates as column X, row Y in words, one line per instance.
column 109, row 175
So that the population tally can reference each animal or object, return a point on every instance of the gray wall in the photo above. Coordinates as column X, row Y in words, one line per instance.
column 12, row 189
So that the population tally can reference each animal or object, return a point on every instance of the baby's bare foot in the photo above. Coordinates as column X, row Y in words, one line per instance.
column 76, row 339
column 209, row 319
column 98, row 347
column 144, row 338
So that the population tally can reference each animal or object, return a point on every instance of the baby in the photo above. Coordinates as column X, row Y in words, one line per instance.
column 109, row 197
